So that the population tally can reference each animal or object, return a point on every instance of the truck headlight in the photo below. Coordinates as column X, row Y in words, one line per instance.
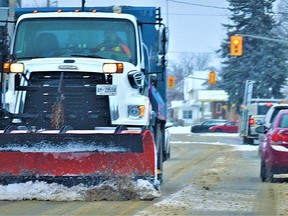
column 112, row 68
column 136, row 79
column 136, row 111
column 13, row 67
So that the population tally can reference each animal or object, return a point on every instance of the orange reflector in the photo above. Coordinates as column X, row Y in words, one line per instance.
column 268, row 104
column 6, row 67
column 35, row 11
column 141, row 110
column 59, row 11
column 251, row 121
column 120, row 68
column 94, row 11
column 77, row 10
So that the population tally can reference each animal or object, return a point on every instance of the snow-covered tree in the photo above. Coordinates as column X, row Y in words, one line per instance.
column 282, row 19
column 263, row 61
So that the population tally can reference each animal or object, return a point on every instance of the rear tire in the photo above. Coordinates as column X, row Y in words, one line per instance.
column 265, row 174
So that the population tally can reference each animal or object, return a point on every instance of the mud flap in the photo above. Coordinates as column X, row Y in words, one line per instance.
column 76, row 157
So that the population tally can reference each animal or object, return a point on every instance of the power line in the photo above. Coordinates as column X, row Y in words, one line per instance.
column 199, row 5
column 188, row 52
column 175, row 14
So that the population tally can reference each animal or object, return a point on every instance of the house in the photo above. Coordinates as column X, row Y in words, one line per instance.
column 199, row 103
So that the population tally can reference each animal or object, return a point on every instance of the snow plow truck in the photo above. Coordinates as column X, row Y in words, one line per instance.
column 73, row 114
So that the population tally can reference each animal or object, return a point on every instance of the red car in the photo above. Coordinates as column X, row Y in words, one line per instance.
column 274, row 147
column 229, row 127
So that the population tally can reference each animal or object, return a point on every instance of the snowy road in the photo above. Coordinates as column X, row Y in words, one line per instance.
column 208, row 174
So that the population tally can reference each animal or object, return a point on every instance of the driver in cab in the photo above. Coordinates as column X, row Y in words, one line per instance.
column 112, row 43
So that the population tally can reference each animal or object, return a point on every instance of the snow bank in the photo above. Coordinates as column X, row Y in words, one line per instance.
column 124, row 190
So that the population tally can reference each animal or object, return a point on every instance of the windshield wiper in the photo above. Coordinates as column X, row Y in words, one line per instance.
column 87, row 56
column 30, row 57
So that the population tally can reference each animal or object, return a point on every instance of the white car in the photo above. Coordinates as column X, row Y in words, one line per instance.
column 269, row 117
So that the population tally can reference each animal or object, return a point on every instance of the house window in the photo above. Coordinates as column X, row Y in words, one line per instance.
column 219, row 108
column 187, row 114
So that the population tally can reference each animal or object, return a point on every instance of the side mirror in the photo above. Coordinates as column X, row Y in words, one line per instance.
column 261, row 129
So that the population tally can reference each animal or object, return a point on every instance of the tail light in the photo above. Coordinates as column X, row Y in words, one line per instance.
column 280, row 137
column 251, row 121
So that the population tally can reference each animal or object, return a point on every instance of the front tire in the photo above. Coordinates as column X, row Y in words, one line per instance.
column 159, row 138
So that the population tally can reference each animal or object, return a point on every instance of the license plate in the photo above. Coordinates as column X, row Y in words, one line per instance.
column 106, row 90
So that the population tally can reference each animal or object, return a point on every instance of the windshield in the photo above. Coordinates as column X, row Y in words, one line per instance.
column 263, row 109
column 81, row 37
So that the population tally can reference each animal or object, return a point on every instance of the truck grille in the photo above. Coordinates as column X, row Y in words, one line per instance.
column 83, row 109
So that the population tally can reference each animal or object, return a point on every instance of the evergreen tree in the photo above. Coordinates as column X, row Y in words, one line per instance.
column 263, row 61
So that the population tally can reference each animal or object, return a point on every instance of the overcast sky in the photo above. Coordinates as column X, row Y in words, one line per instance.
column 195, row 26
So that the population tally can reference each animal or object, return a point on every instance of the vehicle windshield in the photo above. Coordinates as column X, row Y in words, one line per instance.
column 85, row 37
column 284, row 121
column 262, row 109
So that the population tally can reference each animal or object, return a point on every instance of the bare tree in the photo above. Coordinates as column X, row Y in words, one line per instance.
column 202, row 61
column 184, row 67
column 187, row 62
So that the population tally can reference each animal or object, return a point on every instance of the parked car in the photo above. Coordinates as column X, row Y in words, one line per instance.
column 205, row 125
column 229, row 127
column 274, row 147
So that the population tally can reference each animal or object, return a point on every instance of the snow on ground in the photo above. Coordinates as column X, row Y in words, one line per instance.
column 186, row 130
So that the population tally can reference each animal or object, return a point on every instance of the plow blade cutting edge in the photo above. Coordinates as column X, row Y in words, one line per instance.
column 73, row 158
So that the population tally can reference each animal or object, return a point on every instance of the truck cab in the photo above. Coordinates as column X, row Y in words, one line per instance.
column 59, row 53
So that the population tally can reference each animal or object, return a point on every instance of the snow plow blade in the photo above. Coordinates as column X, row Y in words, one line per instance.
column 75, row 157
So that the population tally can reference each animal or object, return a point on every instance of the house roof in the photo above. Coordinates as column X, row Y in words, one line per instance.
column 184, row 103
column 212, row 95
column 196, row 80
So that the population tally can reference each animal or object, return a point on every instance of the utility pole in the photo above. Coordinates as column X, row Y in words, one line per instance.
column 247, row 103
column 83, row 5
